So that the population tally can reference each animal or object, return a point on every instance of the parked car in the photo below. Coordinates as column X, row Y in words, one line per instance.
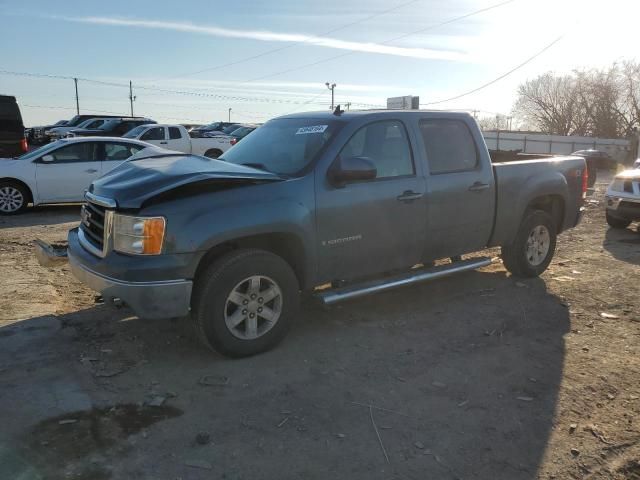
column 40, row 133
column 623, row 199
column 12, row 133
column 213, row 128
column 311, row 199
column 176, row 137
column 35, row 135
column 60, row 171
column 240, row 133
column 595, row 159
column 115, row 127
column 57, row 133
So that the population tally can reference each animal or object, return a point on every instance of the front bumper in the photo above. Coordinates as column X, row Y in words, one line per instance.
column 625, row 207
column 153, row 299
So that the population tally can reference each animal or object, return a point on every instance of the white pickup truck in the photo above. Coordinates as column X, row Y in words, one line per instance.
column 176, row 137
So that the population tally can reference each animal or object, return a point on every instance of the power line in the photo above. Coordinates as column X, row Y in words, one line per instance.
column 506, row 74
column 386, row 42
column 279, row 49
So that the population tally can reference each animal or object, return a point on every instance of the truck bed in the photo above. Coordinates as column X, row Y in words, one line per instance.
column 518, row 183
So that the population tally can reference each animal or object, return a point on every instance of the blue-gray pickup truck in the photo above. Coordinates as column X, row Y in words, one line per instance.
column 353, row 202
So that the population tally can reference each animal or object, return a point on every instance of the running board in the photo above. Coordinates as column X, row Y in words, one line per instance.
column 329, row 297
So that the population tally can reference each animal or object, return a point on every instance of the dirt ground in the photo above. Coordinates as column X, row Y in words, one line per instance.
column 481, row 376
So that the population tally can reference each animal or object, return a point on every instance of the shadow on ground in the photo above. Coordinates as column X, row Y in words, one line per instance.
column 463, row 376
column 42, row 215
column 624, row 244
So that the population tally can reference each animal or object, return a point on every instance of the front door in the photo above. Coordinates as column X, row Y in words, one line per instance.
column 461, row 198
column 68, row 172
column 375, row 226
column 155, row 136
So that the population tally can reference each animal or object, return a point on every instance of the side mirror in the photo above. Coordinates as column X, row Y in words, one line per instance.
column 47, row 158
column 351, row 169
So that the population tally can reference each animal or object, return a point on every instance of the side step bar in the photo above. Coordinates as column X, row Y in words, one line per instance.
column 336, row 295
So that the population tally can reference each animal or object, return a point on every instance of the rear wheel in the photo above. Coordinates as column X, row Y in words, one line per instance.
column 245, row 302
column 14, row 198
column 615, row 222
column 532, row 250
column 213, row 153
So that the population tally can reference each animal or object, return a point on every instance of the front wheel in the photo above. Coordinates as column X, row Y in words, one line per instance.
column 213, row 153
column 245, row 302
column 532, row 250
column 616, row 222
column 14, row 198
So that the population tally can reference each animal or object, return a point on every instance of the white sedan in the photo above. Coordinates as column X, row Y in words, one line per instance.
column 61, row 171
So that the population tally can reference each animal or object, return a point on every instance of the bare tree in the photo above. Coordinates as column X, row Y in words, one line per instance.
column 552, row 104
column 604, row 103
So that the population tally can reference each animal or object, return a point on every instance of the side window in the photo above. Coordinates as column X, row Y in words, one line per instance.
column 385, row 143
column 77, row 152
column 449, row 146
column 155, row 133
column 119, row 151
column 174, row 133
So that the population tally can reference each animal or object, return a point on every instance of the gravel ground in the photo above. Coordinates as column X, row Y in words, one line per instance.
column 481, row 376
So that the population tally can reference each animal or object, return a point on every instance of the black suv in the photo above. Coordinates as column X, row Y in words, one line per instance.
column 113, row 128
column 12, row 139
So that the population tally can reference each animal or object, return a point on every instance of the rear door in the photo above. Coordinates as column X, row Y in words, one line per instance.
column 374, row 226
column 69, row 174
column 461, row 189
column 179, row 140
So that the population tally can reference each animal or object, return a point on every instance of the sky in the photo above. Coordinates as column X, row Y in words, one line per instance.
column 190, row 61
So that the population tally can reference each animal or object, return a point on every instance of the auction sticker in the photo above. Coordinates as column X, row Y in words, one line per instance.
column 312, row 129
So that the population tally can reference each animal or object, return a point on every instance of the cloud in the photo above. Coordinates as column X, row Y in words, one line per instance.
column 267, row 36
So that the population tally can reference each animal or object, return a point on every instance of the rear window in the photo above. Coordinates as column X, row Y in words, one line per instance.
column 449, row 146
column 10, row 118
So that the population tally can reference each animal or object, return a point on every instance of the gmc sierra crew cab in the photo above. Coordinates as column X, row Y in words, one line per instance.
column 353, row 202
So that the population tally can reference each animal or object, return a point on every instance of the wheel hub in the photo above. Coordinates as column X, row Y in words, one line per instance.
column 11, row 199
column 253, row 307
column 538, row 244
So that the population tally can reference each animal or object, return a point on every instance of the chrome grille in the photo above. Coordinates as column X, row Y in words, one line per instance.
column 95, row 224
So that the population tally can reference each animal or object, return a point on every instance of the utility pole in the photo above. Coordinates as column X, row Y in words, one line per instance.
column 348, row 105
column 332, row 87
column 229, row 114
column 131, row 97
column 75, row 81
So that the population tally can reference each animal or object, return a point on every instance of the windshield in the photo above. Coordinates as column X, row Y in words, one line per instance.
column 229, row 129
column 135, row 132
column 242, row 131
column 109, row 125
column 40, row 151
column 211, row 126
column 284, row 146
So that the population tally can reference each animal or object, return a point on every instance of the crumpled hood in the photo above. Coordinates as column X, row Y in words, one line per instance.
column 135, row 181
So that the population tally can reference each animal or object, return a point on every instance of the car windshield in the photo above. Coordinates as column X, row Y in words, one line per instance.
column 133, row 133
column 109, row 125
column 211, row 126
column 284, row 146
column 241, row 132
column 229, row 129
column 41, row 151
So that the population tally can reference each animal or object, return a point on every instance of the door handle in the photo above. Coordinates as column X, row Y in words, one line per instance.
column 478, row 187
column 91, row 170
column 163, row 143
column 409, row 196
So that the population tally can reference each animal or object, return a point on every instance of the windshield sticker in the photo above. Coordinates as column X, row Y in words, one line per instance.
column 313, row 129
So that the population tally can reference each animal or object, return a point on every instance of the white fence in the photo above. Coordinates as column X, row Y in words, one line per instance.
column 554, row 144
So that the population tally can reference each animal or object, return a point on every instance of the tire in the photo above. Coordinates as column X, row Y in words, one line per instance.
column 213, row 308
column 615, row 222
column 526, row 258
column 213, row 153
column 14, row 198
